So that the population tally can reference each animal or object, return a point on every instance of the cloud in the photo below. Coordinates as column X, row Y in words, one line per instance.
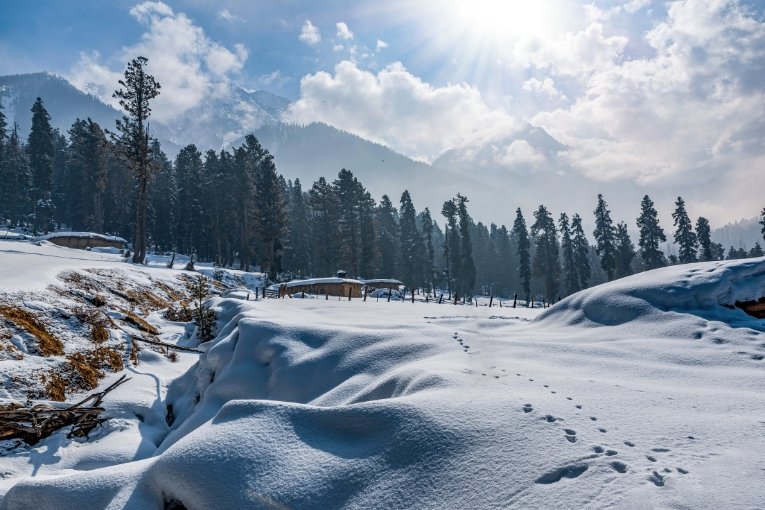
column 544, row 87
column 189, row 66
column 343, row 32
column 398, row 109
column 381, row 45
column 520, row 152
column 229, row 16
column 688, row 114
column 310, row 34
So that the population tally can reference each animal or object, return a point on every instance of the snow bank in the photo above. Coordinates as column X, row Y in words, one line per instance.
column 707, row 289
column 87, row 235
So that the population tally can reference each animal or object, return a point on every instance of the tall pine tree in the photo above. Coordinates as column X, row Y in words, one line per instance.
column 570, row 276
column 685, row 237
column 651, row 235
column 605, row 242
column 426, row 222
column 452, row 248
column 138, row 88
column 467, row 266
column 16, row 178
column 41, row 152
column 581, row 252
column 706, row 246
column 521, row 235
column 546, row 264
column 625, row 251
column 410, row 242
column 387, row 237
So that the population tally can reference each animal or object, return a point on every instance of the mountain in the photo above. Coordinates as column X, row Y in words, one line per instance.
column 740, row 234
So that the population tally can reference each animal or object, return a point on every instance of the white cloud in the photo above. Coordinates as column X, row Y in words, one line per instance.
column 188, row 65
column 398, row 109
column 544, row 87
column 520, row 152
column 310, row 33
column 381, row 45
column 343, row 32
column 228, row 16
column 690, row 113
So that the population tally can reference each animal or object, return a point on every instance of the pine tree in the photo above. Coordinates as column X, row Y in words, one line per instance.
column 706, row 246
column 762, row 222
column 270, row 210
column 625, row 251
column 581, row 252
column 685, row 237
column 347, row 192
column 426, row 226
column 467, row 266
column 756, row 251
column 410, row 242
column 163, row 202
column 387, row 237
column 296, row 254
column 16, row 179
column 3, row 132
column 370, row 260
column 605, row 238
column 189, row 214
column 651, row 235
column 41, row 153
column 506, row 260
column 324, row 218
column 521, row 234
column 244, row 168
column 546, row 263
column 134, row 142
column 570, row 278
column 452, row 248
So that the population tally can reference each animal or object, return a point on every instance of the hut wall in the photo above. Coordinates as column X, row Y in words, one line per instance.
column 81, row 243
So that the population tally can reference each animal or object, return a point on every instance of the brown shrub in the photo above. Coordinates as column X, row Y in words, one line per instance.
column 48, row 344
column 179, row 313
column 139, row 323
column 55, row 387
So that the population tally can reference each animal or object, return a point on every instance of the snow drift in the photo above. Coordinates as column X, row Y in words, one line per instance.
column 326, row 404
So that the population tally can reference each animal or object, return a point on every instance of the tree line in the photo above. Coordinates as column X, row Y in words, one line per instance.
column 232, row 207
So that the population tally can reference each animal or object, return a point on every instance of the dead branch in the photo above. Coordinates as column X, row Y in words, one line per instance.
column 31, row 424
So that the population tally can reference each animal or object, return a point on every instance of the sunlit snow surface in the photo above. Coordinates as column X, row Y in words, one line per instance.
column 643, row 393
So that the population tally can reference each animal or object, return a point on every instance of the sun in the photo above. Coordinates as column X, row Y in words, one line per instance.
column 507, row 20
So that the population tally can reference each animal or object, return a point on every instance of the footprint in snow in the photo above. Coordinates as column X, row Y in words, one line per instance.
column 527, row 408
column 619, row 467
column 656, row 479
column 598, row 449
column 611, row 453
column 550, row 418
column 578, row 406
column 630, row 444
column 602, row 430
column 660, row 450
column 593, row 418
column 570, row 435
column 557, row 474
column 652, row 459
column 682, row 471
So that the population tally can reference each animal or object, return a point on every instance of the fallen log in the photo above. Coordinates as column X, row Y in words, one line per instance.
column 31, row 424
column 164, row 344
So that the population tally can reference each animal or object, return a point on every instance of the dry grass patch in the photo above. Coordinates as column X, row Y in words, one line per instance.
column 139, row 323
column 49, row 345
column 81, row 371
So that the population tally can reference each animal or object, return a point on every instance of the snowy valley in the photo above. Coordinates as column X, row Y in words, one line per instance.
column 639, row 393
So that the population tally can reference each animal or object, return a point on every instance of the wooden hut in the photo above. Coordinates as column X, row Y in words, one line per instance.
column 383, row 283
column 83, row 240
column 323, row 286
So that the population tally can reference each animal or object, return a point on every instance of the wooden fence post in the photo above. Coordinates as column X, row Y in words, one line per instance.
column 455, row 298
column 440, row 298
column 412, row 295
column 350, row 289
column 515, row 299
column 491, row 299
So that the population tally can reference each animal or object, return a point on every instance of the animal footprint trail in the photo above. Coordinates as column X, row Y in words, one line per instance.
column 572, row 471
column 570, row 435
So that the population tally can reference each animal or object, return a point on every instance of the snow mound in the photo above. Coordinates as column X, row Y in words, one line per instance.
column 708, row 289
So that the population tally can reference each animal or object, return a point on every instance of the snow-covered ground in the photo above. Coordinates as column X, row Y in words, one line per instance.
column 642, row 393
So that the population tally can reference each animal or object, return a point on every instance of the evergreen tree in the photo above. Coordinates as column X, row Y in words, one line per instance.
column 270, row 211
column 706, row 246
column 762, row 222
column 521, row 234
column 571, row 277
column 625, row 251
column 452, row 248
column 370, row 261
column 16, row 179
column 546, row 264
column 426, row 226
column 3, row 132
column 756, row 251
column 324, row 217
column 189, row 213
column 387, row 237
column 506, row 260
column 651, row 235
column 134, row 142
column 163, row 202
column 244, row 168
column 581, row 252
column 467, row 266
column 296, row 253
column 605, row 238
column 347, row 192
column 411, row 244
column 685, row 237
column 41, row 153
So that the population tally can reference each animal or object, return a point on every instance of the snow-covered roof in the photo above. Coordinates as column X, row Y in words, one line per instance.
column 321, row 281
column 86, row 235
column 382, row 281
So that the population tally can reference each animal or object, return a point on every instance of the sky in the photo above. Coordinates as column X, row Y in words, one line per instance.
column 640, row 92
